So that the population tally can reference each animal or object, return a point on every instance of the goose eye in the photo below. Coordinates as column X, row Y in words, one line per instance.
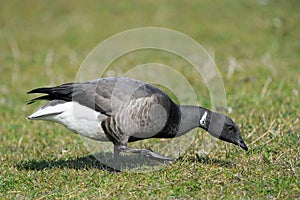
column 230, row 128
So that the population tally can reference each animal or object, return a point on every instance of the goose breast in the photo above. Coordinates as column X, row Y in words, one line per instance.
column 143, row 117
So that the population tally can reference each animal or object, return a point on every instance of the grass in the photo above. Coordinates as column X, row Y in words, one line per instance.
column 44, row 42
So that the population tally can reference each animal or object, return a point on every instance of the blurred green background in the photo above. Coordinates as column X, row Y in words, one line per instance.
column 256, row 46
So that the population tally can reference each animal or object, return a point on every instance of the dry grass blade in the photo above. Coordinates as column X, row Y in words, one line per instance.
column 266, row 86
column 265, row 133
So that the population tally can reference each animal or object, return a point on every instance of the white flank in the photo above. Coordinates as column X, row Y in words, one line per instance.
column 76, row 117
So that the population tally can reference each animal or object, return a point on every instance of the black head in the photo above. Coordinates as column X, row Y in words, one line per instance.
column 224, row 128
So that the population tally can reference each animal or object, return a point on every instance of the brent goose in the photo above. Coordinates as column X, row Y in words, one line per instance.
column 122, row 110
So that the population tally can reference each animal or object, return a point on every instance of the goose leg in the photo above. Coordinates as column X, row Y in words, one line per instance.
column 146, row 152
column 117, row 157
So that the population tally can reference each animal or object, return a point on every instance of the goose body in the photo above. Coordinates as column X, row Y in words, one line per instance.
column 122, row 110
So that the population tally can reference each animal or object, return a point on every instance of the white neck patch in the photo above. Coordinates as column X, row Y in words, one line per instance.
column 203, row 119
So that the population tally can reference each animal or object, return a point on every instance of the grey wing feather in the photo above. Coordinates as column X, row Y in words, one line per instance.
column 103, row 95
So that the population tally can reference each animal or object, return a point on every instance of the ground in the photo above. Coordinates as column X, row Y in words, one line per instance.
column 256, row 46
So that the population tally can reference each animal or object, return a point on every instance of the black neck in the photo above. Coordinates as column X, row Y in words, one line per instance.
column 193, row 117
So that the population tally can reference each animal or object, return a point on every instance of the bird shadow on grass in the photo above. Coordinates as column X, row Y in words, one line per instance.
column 86, row 162
column 102, row 161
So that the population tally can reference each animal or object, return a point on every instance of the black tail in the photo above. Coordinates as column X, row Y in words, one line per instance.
column 45, row 90
column 62, row 92
column 46, row 97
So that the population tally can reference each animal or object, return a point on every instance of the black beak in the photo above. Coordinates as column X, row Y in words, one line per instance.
column 242, row 144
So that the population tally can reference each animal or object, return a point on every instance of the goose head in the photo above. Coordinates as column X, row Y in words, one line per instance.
column 224, row 128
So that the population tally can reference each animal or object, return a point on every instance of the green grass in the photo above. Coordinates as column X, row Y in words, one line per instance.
column 42, row 160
